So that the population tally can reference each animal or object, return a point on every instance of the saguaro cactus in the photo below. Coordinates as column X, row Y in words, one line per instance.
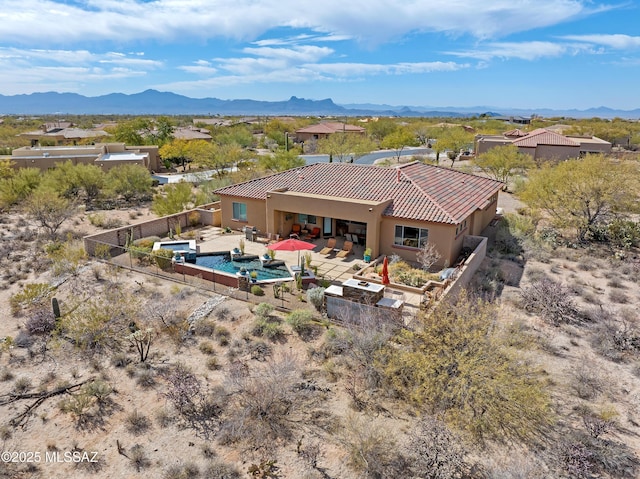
column 56, row 308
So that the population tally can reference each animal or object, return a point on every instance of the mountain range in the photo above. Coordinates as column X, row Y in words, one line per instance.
column 167, row 103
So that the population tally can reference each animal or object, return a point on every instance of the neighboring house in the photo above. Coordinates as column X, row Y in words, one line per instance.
column 390, row 210
column 544, row 144
column 104, row 155
column 520, row 120
column 325, row 129
column 62, row 133
column 191, row 133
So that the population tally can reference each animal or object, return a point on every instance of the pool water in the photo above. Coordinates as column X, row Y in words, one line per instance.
column 221, row 262
column 175, row 246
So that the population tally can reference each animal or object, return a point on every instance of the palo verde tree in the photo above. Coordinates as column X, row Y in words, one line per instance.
column 584, row 194
column 454, row 139
column 49, row 210
column 343, row 147
column 502, row 162
column 173, row 199
column 457, row 365
column 398, row 140
column 281, row 160
column 129, row 181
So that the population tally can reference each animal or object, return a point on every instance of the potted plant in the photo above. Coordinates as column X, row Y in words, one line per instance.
column 243, row 271
column 241, row 245
column 271, row 253
column 367, row 255
column 254, row 276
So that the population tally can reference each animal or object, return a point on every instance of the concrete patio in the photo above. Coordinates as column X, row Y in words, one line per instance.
column 336, row 270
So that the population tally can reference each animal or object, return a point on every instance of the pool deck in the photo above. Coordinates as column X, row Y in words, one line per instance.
column 334, row 269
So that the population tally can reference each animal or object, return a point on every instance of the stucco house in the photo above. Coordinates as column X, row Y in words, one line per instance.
column 325, row 129
column 390, row 210
column 544, row 144
column 63, row 133
column 104, row 155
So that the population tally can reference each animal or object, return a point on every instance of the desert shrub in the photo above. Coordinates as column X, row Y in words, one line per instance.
column 40, row 322
column 204, row 327
column 193, row 218
column 162, row 258
column 551, row 300
column 143, row 255
column 587, row 380
column 24, row 340
column 476, row 382
column 213, row 364
column 181, row 471
column 301, row 321
column 68, row 257
column 223, row 335
column 268, row 328
column 31, row 294
column 120, row 360
column 138, row 458
column 22, row 385
column 315, row 296
column 259, row 350
column 263, row 310
column 221, row 470
column 405, row 274
column 147, row 242
column 372, row 450
column 145, row 378
column 583, row 456
column 435, row 452
column 137, row 423
column 618, row 297
column 257, row 290
column 206, row 347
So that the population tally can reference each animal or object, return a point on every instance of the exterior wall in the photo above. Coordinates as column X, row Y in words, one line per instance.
column 443, row 236
column 482, row 145
column 471, row 265
column 157, row 227
column 45, row 158
column 256, row 214
column 282, row 207
column 482, row 218
column 558, row 153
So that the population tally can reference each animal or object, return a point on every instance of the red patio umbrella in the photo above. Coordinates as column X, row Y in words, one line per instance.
column 385, row 271
column 292, row 244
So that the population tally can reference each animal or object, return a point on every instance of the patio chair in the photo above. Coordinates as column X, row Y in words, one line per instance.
column 331, row 243
column 347, row 249
column 295, row 229
column 315, row 233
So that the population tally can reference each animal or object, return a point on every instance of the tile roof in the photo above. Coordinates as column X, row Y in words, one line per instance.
column 419, row 192
column 515, row 133
column 542, row 136
column 330, row 127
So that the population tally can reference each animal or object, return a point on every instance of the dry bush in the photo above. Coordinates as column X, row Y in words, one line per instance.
column 137, row 423
column 221, row 470
column 266, row 403
column 372, row 450
column 181, row 471
column 138, row 458
column 434, row 452
column 551, row 300
column 587, row 380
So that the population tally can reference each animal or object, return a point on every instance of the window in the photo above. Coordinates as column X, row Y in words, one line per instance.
column 240, row 211
column 306, row 219
column 411, row 237
column 461, row 227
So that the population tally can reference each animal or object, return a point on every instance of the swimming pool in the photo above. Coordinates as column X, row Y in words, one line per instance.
column 222, row 262
column 175, row 246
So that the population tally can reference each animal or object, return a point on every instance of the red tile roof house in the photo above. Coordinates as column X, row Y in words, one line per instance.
column 325, row 129
column 543, row 144
column 390, row 210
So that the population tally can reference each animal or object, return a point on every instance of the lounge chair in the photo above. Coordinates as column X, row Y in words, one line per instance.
column 347, row 249
column 331, row 244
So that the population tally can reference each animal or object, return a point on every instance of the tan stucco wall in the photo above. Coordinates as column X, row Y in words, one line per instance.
column 443, row 236
column 558, row 153
column 256, row 213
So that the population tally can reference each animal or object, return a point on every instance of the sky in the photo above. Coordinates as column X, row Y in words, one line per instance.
column 558, row 54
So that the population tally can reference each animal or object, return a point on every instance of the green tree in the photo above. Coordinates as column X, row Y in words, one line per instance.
column 238, row 134
column 381, row 128
column 6, row 168
column 584, row 193
column 453, row 140
column 132, row 132
column 457, row 365
column 502, row 162
column 129, row 181
column 162, row 131
column 281, row 160
column 342, row 147
column 173, row 199
column 398, row 140
column 48, row 209
column 17, row 187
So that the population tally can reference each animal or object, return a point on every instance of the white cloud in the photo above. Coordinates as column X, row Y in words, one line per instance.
column 370, row 21
column 519, row 50
column 615, row 41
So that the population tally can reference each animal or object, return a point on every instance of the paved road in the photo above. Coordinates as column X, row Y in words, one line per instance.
column 371, row 157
